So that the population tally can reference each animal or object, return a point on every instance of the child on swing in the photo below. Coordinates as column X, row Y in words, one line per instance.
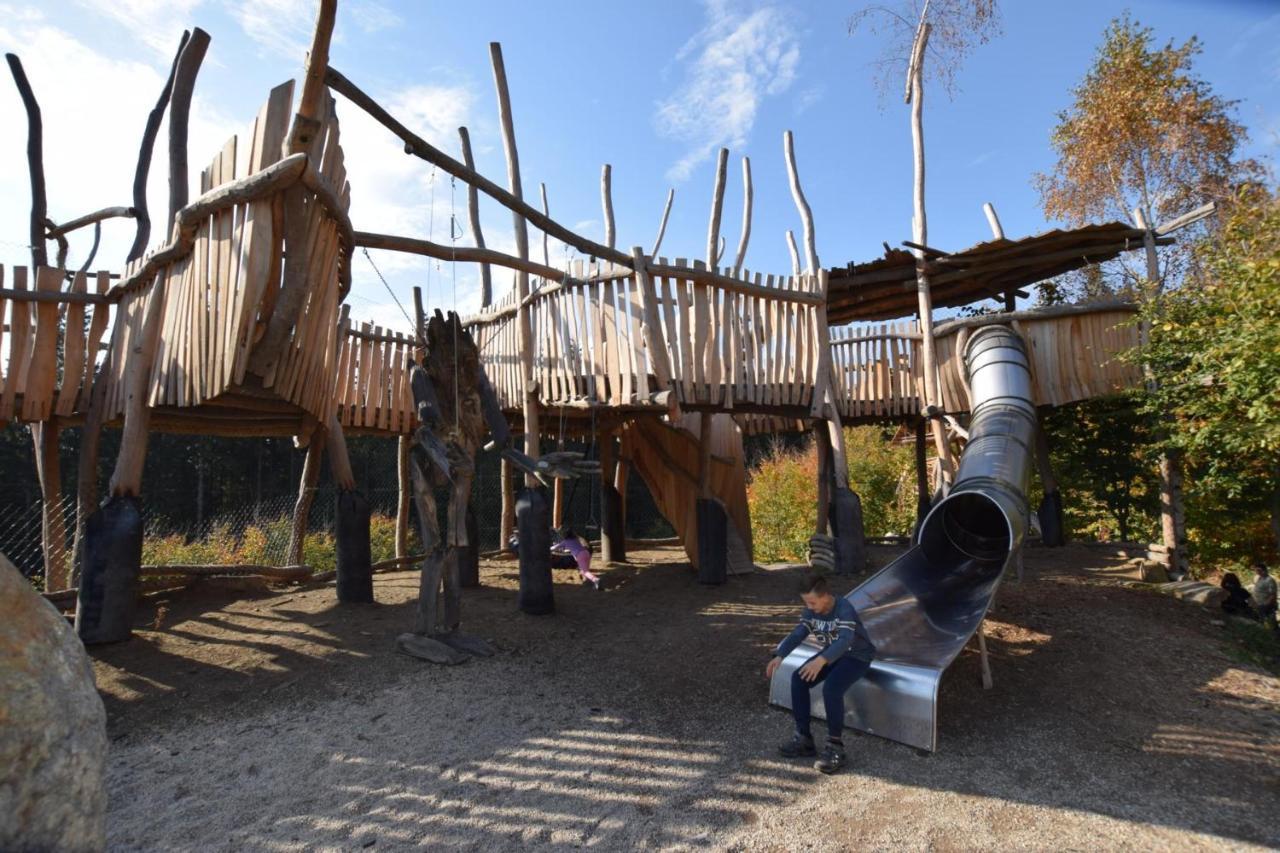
column 845, row 657
column 580, row 552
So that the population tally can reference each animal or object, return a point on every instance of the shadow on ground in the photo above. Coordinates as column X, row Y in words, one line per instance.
column 636, row 717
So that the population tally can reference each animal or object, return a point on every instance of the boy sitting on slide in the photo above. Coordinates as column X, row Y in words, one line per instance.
column 845, row 657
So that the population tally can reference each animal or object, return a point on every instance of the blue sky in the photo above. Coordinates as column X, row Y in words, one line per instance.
column 653, row 89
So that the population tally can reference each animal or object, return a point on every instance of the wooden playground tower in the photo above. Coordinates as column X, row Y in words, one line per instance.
column 236, row 325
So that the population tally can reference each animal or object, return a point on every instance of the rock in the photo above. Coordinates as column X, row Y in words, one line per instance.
column 1152, row 572
column 428, row 649
column 53, row 728
column 1195, row 592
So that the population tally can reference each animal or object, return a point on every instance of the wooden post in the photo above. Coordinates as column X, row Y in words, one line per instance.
column 126, row 479
column 404, row 496
column 507, row 523
column 44, row 435
column 662, row 226
column 613, row 544
column 1172, row 509
column 473, row 214
column 997, row 232
column 924, row 500
column 141, row 214
column 920, row 231
column 184, row 83
column 795, row 253
column 524, row 326
column 747, row 196
column 546, row 238
column 35, row 164
column 822, row 446
column 982, row 655
column 339, row 462
column 557, row 503
column 606, row 204
column 717, row 205
column 306, row 496
column 314, row 91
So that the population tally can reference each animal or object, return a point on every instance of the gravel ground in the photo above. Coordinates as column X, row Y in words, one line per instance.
column 636, row 718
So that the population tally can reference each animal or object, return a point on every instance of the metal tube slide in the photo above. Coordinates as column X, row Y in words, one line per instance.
column 922, row 608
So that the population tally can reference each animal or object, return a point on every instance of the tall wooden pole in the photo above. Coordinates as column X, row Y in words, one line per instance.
column 997, row 233
column 306, row 496
column 1173, row 522
column 184, row 81
column 524, row 327
column 404, row 494
column 606, row 205
column 747, row 196
column 35, row 164
column 920, row 234
column 473, row 214
column 662, row 226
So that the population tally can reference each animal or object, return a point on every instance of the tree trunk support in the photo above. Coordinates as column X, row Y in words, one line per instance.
column 44, row 435
column 613, row 539
column 306, row 495
column 712, row 520
column 403, row 496
column 1052, row 528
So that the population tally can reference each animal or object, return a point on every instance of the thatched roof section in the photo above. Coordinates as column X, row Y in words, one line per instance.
column 886, row 287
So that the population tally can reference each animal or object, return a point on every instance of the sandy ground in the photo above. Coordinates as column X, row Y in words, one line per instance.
column 636, row 718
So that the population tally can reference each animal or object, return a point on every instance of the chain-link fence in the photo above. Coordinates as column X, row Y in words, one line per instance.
column 230, row 526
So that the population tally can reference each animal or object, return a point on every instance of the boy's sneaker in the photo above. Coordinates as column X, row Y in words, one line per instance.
column 798, row 747
column 832, row 759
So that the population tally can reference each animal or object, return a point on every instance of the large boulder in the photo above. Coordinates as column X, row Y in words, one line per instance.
column 1195, row 592
column 53, row 728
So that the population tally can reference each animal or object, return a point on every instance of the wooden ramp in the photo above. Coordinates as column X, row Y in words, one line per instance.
column 666, row 456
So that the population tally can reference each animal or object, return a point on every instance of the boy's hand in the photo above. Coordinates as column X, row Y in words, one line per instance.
column 813, row 668
column 774, row 663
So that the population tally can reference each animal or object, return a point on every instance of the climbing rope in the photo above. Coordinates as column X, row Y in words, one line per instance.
column 378, row 272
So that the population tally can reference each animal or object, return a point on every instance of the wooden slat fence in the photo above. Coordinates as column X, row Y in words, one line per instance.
column 720, row 345
column 50, row 349
column 875, row 370
column 373, row 391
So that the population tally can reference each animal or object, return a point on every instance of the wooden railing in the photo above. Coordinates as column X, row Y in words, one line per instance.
column 875, row 370
column 372, row 390
column 51, row 340
column 739, row 339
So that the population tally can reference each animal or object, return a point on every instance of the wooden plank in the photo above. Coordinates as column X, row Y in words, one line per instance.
column 73, row 351
column 19, row 333
column 42, row 367
column 688, row 368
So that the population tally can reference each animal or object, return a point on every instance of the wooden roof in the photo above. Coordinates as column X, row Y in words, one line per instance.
column 886, row 287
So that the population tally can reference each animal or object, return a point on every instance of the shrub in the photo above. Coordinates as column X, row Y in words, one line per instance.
column 783, row 492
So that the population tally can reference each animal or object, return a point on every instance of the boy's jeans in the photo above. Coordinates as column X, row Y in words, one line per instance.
column 835, row 678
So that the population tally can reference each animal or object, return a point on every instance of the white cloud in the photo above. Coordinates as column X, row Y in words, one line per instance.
column 281, row 26
column 373, row 17
column 93, row 109
column 156, row 23
column 735, row 62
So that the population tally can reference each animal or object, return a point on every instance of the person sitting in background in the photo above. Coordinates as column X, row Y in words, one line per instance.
column 1264, row 594
column 1237, row 602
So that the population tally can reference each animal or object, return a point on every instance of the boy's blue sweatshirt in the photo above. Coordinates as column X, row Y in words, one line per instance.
column 840, row 631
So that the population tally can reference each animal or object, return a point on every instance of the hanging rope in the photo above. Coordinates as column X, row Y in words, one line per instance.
column 378, row 272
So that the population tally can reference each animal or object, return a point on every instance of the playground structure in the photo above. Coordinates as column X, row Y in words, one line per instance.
column 236, row 325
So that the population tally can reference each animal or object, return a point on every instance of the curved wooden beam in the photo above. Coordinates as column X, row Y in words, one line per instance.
column 473, row 215
column 717, row 206
column 91, row 219
column 184, row 84
column 419, row 147
column 662, row 226
column 806, row 215
column 35, row 161
column 606, row 202
column 142, row 215
column 460, row 254
column 795, row 253
column 747, row 195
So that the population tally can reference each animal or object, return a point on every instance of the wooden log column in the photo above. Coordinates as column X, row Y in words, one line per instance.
column 532, row 512
column 404, row 495
column 613, row 526
column 920, row 233
column 306, row 496
column 57, row 573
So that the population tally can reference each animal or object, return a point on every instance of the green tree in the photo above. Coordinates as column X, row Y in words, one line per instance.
column 1102, row 459
column 1215, row 352
column 1143, row 132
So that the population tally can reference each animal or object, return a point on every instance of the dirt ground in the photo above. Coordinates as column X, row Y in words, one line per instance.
column 636, row 718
